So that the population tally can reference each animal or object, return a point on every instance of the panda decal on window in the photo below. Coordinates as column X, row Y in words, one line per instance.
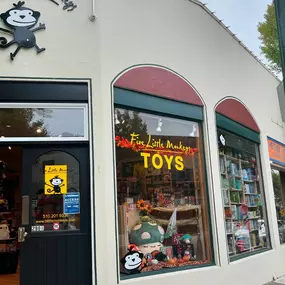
column 20, row 20
column 133, row 261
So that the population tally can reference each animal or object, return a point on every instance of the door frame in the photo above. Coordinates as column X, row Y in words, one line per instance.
column 89, row 101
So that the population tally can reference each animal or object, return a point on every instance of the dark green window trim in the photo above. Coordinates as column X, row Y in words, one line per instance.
column 245, row 255
column 234, row 127
column 166, row 271
column 157, row 104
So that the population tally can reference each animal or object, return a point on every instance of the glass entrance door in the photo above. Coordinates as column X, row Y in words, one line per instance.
column 55, row 237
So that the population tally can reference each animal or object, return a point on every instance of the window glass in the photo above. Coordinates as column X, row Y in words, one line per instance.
column 279, row 202
column 161, row 193
column 244, row 208
column 56, row 193
column 42, row 122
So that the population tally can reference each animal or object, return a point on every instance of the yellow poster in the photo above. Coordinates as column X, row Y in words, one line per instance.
column 55, row 179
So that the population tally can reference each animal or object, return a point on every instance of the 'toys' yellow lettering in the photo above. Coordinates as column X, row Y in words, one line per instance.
column 168, row 160
column 145, row 156
column 160, row 164
column 179, row 163
column 157, row 161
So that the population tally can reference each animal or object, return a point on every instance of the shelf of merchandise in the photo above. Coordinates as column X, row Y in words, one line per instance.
column 241, row 192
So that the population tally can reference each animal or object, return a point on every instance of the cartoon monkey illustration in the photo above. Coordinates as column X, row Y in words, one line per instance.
column 133, row 261
column 56, row 184
column 21, row 19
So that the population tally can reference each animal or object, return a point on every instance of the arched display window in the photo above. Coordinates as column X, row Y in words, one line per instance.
column 161, row 189
column 241, row 180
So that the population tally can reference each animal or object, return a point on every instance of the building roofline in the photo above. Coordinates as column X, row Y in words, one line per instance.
column 220, row 22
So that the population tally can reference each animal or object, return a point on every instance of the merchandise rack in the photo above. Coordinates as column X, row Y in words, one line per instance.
column 236, row 194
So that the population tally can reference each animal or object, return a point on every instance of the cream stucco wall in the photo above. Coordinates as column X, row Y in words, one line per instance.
column 181, row 36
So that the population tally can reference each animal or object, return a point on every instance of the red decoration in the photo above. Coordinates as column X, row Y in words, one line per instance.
column 125, row 143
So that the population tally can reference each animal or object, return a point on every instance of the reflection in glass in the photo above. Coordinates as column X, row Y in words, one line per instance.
column 48, row 209
column 161, row 190
column 42, row 122
column 279, row 202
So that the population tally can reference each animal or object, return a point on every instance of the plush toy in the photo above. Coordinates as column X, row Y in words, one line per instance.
column 147, row 235
column 159, row 256
column 188, row 248
column 133, row 262
column 177, row 245
column 4, row 232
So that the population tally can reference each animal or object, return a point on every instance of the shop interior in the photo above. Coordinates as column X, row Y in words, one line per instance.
column 10, row 213
column 242, row 189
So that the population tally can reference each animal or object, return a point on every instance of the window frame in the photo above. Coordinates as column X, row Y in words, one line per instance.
column 154, row 105
column 233, row 127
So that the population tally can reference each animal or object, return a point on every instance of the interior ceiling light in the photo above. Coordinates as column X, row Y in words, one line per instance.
column 8, row 126
column 9, row 147
column 116, row 119
column 159, row 125
column 194, row 131
column 39, row 130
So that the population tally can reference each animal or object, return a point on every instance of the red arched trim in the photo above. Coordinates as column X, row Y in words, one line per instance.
column 159, row 82
column 236, row 111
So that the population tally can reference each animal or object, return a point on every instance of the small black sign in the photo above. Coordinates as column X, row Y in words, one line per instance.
column 68, row 5
column 21, row 20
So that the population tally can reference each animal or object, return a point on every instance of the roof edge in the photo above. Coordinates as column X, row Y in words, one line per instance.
column 220, row 22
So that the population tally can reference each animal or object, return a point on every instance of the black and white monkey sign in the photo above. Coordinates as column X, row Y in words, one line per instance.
column 21, row 21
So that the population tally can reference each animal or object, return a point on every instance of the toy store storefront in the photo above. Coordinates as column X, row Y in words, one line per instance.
column 45, row 233
column 164, row 220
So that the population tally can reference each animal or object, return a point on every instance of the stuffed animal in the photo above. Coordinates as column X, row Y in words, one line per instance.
column 4, row 232
column 147, row 235
column 188, row 247
column 133, row 262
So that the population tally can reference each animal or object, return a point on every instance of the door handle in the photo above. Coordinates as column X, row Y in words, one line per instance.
column 22, row 234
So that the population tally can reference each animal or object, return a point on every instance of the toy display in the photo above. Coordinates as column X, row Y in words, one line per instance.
column 161, row 192
column 147, row 250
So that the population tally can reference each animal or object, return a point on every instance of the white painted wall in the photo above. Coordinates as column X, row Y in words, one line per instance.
column 179, row 35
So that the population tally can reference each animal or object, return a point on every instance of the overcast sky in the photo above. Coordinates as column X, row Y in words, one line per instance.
column 242, row 16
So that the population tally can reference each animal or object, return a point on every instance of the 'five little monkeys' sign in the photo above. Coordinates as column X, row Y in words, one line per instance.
column 21, row 22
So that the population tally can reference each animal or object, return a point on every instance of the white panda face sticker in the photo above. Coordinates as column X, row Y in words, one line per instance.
column 21, row 18
column 222, row 140
column 132, row 261
column 56, row 181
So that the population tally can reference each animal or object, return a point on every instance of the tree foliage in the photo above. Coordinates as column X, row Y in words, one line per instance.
column 277, row 186
column 269, row 39
column 128, row 124
column 21, row 123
